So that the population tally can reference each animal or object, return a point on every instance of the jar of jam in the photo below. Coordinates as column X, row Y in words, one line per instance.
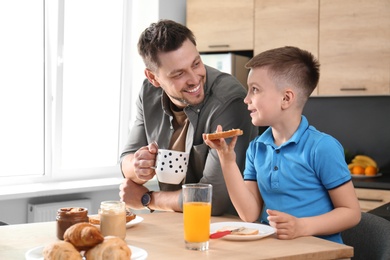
column 113, row 218
column 67, row 217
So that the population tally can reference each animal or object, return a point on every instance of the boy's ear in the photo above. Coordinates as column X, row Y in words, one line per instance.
column 288, row 97
column 152, row 78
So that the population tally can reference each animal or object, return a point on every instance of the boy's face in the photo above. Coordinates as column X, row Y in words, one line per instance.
column 263, row 98
column 181, row 74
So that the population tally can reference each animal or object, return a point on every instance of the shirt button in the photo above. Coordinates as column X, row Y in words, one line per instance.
column 277, row 151
column 276, row 168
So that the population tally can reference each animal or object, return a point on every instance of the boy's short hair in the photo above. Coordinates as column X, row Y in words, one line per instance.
column 163, row 36
column 290, row 64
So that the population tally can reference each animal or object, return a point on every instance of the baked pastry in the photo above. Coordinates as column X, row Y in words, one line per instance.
column 129, row 215
column 83, row 236
column 112, row 248
column 61, row 250
column 95, row 219
column 224, row 134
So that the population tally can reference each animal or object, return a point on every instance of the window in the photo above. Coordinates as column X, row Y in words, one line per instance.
column 22, row 87
column 60, row 96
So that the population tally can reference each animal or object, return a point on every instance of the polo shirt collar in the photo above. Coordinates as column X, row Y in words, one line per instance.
column 268, row 139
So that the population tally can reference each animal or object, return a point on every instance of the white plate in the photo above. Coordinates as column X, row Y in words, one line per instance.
column 134, row 222
column 264, row 230
column 365, row 176
column 36, row 253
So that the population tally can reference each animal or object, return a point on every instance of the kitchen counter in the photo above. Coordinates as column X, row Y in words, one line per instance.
column 382, row 182
column 161, row 235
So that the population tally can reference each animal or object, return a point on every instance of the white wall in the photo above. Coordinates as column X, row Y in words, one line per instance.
column 15, row 211
column 143, row 13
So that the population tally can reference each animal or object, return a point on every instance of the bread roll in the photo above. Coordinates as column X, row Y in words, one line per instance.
column 112, row 248
column 224, row 134
column 83, row 236
column 61, row 250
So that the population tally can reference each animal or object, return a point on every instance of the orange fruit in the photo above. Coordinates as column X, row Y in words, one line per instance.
column 358, row 170
column 370, row 171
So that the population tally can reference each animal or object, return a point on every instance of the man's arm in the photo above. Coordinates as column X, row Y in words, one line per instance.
column 167, row 201
column 131, row 193
column 127, row 167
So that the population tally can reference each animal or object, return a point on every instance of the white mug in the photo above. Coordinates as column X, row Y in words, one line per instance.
column 171, row 166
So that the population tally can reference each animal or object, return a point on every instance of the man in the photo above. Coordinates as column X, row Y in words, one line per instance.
column 179, row 101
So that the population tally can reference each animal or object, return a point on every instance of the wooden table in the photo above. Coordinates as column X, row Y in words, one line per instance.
column 161, row 235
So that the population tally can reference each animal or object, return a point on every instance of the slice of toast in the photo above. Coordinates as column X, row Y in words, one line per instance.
column 224, row 134
column 246, row 232
column 243, row 231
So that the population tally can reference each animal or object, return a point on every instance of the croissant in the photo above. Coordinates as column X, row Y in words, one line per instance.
column 61, row 250
column 83, row 236
column 112, row 248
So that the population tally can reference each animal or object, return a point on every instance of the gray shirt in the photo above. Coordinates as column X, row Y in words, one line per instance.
column 223, row 105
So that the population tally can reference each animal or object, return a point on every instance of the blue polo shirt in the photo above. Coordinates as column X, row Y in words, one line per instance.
column 295, row 177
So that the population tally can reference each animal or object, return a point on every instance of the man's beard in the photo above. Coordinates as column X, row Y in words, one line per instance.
column 181, row 100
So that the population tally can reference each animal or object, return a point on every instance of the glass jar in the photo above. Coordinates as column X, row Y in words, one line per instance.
column 113, row 218
column 67, row 217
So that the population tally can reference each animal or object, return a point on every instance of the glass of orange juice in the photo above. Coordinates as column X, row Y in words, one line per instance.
column 196, row 215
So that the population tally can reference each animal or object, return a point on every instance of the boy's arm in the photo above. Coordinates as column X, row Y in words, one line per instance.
column 346, row 214
column 244, row 195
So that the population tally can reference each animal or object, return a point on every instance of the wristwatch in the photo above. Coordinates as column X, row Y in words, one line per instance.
column 146, row 199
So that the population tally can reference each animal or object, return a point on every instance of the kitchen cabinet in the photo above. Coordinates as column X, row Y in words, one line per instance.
column 221, row 26
column 351, row 38
column 354, row 47
column 281, row 23
column 372, row 198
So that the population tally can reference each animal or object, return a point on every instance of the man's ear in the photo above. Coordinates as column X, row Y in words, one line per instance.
column 152, row 78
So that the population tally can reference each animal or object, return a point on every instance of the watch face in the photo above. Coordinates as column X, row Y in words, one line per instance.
column 145, row 200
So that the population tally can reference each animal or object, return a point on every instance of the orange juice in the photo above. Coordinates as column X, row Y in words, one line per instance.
column 196, row 221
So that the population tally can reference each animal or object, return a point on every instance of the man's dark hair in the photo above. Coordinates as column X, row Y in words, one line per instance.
column 163, row 36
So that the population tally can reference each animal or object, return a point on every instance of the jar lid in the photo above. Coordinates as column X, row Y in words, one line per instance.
column 112, row 205
column 71, row 209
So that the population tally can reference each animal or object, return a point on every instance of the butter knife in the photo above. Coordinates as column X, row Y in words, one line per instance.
column 220, row 234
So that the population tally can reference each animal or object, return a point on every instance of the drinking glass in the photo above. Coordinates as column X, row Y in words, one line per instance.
column 196, row 215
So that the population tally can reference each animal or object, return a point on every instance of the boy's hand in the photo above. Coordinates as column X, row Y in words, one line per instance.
column 286, row 225
column 220, row 144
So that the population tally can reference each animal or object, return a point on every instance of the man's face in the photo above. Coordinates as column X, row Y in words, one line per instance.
column 181, row 75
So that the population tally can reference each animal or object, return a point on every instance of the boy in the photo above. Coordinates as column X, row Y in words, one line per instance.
column 295, row 178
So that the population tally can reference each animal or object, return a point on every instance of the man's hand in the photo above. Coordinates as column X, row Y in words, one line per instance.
column 131, row 193
column 144, row 162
